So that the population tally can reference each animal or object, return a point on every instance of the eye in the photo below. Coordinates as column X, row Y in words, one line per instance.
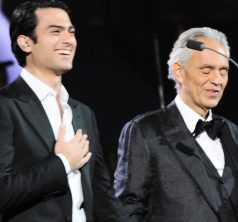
column 223, row 72
column 55, row 31
column 206, row 70
column 72, row 31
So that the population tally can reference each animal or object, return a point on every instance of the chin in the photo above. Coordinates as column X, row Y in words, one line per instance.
column 66, row 68
column 211, row 105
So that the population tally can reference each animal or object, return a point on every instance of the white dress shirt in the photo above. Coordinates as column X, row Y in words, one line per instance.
column 212, row 148
column 47, row 97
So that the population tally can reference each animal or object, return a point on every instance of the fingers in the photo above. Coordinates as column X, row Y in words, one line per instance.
column 84, row 153
column 79, row 135
column 76, row 150
column 85, row 159
column 85, row 147
column 81, row 138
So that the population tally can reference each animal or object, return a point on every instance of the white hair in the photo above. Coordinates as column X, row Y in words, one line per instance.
column 180, row 53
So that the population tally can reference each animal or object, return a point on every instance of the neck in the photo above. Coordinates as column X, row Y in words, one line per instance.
column 51, row 79
column 201, row 111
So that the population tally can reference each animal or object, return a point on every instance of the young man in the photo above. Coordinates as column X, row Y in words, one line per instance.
column 41, row 180
column 169, row 170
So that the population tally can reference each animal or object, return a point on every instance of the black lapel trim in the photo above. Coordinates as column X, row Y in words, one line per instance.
column 79, row 123
column 229, row 142
column 31, row 108
column 185, row 148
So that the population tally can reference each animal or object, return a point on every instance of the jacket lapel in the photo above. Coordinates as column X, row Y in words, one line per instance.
column 185, row 148
column 34, row 113
column 230, row 142
column 79, row 123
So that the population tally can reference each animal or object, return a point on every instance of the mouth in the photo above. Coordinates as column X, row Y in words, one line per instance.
column 63, row 52
column 213, row 92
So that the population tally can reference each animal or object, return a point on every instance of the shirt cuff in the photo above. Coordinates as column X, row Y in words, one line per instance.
column 65, row 162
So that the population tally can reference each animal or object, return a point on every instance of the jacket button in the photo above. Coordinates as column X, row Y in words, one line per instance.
column 222, row 180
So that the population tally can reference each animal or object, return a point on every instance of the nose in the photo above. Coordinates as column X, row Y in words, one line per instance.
column 216, row 77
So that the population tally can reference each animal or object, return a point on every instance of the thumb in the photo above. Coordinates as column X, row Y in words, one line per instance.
column 61, row 132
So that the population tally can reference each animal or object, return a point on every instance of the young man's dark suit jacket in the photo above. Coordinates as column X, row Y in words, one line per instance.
column 33, row 182
column 160, row 176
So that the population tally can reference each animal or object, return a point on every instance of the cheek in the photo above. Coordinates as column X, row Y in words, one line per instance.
column 225, row 83
column 195, row 84
column 75, row 48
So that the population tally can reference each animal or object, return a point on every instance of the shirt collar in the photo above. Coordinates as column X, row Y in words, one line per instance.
column 41, row 89
column 190, row 116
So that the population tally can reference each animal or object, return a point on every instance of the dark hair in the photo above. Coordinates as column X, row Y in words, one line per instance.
column 24, row 22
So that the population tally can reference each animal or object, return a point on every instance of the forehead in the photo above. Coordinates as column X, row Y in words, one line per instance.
column 208, row 56
column 52, row 16
column 213, row 44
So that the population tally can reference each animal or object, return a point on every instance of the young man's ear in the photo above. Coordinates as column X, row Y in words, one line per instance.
column 24, row 43
column 178, row 72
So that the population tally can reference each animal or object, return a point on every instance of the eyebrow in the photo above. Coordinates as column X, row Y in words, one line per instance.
column 204, row 66
column 61, row 27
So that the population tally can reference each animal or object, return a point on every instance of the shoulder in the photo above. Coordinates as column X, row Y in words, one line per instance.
column 147, row 117
column 148, row 123
column 17, row 89
column 154, row 122
column 6, row 96
column 83, row 111
column 159, row 116
column 231, row 125
column 226, row 120
column 80, row 106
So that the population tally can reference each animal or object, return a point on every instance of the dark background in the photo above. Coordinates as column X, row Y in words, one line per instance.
column 115, row 71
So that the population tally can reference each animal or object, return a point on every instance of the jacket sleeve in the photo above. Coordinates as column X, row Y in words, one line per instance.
column 35, row 184
column 132, row 177
column 25, row 187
